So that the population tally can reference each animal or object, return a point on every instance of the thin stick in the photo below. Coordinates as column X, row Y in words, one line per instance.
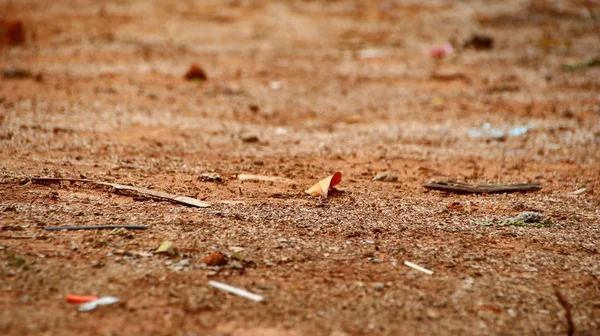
column 466, row 188
column 237, row 291
column 96, row 227
column 418, row 268
column 567, row 306
column 158, row 194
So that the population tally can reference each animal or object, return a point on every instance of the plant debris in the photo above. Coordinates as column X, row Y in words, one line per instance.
column 249, row 138
column 579, row 191
column 479, row 42
column 96, row 227
column 167, row 247
column 210, row 177
column 590, row 63
column 81, row 298
column 120, row 187
column 15, row 73
column 386, row 176
column 568, row 315
column 103, row 301
column 418, row 268
column 467, row 188
column 237, row 291
column 323, row 187
column 261, row 178
column 528, row 218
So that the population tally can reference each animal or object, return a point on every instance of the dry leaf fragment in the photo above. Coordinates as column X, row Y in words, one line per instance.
column 167, row 247
column 322, row 187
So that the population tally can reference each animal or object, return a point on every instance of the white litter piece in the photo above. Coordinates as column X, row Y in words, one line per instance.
column 418, row 268
column 579, row 191
column 237, row 291
column 105, row 300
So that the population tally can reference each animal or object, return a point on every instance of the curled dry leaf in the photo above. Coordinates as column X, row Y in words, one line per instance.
column 322, row 187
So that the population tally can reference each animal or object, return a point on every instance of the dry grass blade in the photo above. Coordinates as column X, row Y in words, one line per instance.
column 96, row 227
column 158, row 194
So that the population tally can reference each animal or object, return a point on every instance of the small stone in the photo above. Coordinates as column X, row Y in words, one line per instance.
column 254, row 108
column 96, row 264
column 195, row 72
column 258, row 162
column 386, row 176
column 249, row 138
column 528, row 218
column 215, row 259
column 275, row 85
column 378, row 286
column 236, row 265
column 432, row 314
column 210, row 177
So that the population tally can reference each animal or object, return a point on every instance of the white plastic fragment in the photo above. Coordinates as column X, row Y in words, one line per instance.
column 105, row 300
column 418, row 268
column 579, row 191
column 237, row 291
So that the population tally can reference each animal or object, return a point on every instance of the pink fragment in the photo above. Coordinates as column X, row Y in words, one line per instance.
column 440, row 52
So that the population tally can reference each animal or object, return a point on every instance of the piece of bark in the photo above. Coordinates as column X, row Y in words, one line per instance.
column 466, row 188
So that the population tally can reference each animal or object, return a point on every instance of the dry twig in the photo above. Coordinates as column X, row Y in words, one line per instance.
column 466, row 188
column 120, row 187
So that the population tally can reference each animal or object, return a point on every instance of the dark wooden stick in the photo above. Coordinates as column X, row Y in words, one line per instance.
column 96, row 227
column 466, row 188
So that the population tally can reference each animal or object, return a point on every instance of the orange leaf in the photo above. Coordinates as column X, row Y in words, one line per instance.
column 323, row 186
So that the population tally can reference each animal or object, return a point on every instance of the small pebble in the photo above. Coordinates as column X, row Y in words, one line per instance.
column 210, row 177
column 249, row 138
column 378, row 286
column 386, row 176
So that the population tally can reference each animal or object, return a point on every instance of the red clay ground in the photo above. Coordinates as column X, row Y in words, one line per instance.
column 325, row 86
